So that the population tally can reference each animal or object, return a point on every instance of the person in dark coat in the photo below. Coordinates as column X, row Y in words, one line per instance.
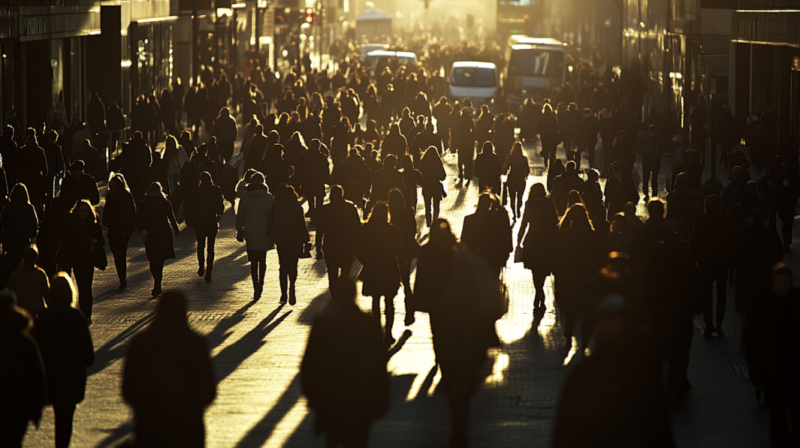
column 168, row 378
column 487, row 232
column 549, row 134
column 614, row 396
column 433, row 174
column 280, row 171
column 620, row 189
column 757, row 250
column 337, row 225
column 289, row 232
column 29, row 283
column 85, row 185
column 517, row 179
column 119, row 216
column 32, row 171
column 23, row 387
column 55, row 163
column 9, row 151
column 314, row 175
column 488, row 168
column 82, row 246
column 379, row 247
column 712, row 240
column 463, row 140
column 343, row 373
column 341, row 140
column 259, row 148
column 136, row 161
column 394, row 144
column 771, row 343
column 540, row 219
column 451, row 285
column 67, row 351
column 208, row 208
column 154, row 217
column 19, row 223
column 578, row 254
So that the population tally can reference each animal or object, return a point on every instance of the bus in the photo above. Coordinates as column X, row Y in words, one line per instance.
column 535, row 68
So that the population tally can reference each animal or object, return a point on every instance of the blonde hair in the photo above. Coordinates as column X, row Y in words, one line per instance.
column 62, row 292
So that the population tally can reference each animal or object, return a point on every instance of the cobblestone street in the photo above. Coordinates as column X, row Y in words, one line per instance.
column 257, row 347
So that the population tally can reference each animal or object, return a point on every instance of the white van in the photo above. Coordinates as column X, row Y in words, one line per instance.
column 478, row 81
column 406, row 58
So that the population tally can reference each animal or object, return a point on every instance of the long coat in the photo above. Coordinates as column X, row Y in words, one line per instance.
column 155, row 217
column 337, row 225
column 119, row 212
column 379, row 247
column 539, row 243
column 208, row 207
column 67, row 351
column 289, row 226
column 168, row 380
column 253, row 218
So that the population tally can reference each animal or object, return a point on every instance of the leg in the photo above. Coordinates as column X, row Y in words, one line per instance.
column 201, row 249
column 656, row 171
column 646, row 180
column 157, row 269
column 436, row 203
column 708, row 300
column 428, row 212
column 538, row 283
column 212, row 240
column 64, row 413
column 389, row 304
column 292, row 275
column 459, row 420
column 84, row 275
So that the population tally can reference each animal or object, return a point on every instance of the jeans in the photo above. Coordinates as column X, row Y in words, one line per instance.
column 118, row 243
column 201, row 250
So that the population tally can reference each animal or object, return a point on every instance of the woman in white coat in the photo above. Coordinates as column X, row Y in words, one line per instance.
column 252, row 227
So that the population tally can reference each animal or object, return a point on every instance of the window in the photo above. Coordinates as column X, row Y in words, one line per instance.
column 473, row 77
column 536, row 62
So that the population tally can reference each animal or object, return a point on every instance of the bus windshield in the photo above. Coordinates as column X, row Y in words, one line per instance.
column 536, row 62
column 473, row 77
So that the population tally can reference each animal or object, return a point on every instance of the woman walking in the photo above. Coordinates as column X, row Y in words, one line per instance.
column 19, row 223
column 81, row 251
column 155, row 217
column 119, row 216
column 290, row 234
column 252, row 227
column 433, row 174
column 540, row 219
column 208, row 208
column 67, row 350
column 379, row 247
column 518, row 164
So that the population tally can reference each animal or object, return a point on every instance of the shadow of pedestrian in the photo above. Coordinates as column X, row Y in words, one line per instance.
column 117, row 347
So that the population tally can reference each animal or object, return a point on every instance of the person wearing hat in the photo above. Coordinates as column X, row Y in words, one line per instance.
column 614, row 395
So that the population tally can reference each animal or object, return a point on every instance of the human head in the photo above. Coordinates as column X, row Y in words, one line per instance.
column 713, row 203
column 488, row 148
column 30, row 257
column 441, row 233
column 62, row 292
column 390, row 161
column 379, row 213
column 257, row 178
column 337, row 193
column 19, row 194
column 118, row 182
column 171, row 310
column 155, row 187
column 78, row 166
column 84, row 211
column 655, row 208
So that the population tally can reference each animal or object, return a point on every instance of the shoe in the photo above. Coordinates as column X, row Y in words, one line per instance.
column 156, row 292
column 709, row 332
column 410, row 319
column 201, row 272
column 283, row 298
column 257, row 292
column 123, row 284
column 292, row 297
column 208, row 277
column 389, row 340
column 720, row 333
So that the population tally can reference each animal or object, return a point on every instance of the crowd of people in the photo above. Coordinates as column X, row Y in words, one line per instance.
column 370, row 139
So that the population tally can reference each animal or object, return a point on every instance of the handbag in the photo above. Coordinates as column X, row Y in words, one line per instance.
column 99, row 258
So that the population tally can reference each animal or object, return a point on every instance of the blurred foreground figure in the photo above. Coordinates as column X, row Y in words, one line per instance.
column 614, row 397
column 344, row 370
column 67, row 351
column 771, row 341
column 462, row 294
column 168, row 379
column 23, row 391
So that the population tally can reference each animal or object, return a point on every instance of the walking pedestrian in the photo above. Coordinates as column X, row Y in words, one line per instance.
column 337, row 224
column 290, row 234
column 488, row 169
column 433, row 176
column 29, row 283
column 252, row 227
column 119, row 216
column 155, row 216
column 208, row 208
column 537, row 233
column 67, row 350
column 379, row 247
column 517, row 164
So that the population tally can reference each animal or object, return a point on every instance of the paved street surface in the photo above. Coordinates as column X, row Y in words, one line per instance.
column 257, row 348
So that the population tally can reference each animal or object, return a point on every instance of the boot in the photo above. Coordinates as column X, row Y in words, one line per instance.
column 284, row 280
column 292, row 295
